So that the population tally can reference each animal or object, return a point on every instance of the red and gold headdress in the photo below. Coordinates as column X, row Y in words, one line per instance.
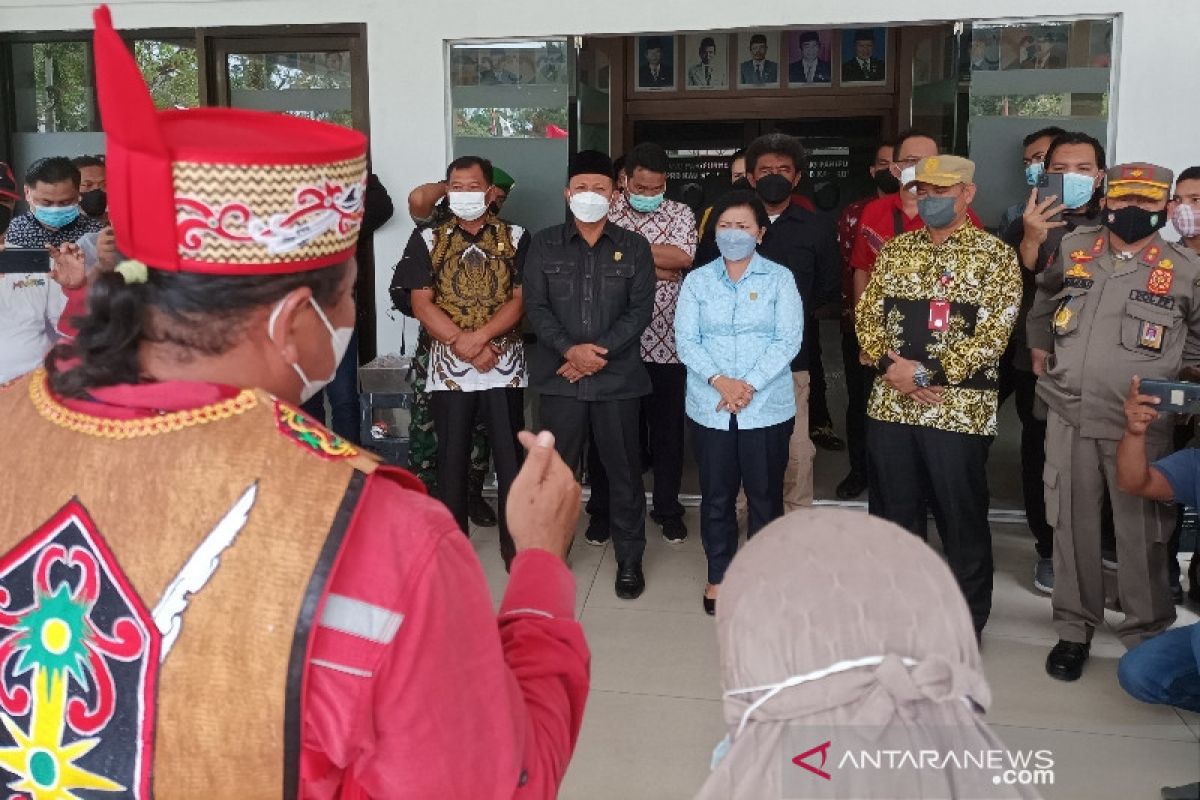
column 223, row 191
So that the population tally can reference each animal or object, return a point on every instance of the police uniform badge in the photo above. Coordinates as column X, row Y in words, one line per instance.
column 1077, row 271
column 1063, row 316
column 1150, row 336
column 79, row 657
column 1161, row 278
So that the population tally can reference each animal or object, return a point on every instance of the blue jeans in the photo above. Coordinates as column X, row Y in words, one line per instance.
column 1165, row 669
column 343, row 397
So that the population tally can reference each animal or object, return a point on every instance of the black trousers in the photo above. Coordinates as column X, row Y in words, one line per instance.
column 913, row 466
column 663, row 413
column 859, row 380
column 1033, row 461
column 818, row 404
column 454, row 415
column 753, row 460
column 613, row 425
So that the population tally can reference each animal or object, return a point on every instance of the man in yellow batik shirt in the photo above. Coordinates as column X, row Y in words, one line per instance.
column 934, row 320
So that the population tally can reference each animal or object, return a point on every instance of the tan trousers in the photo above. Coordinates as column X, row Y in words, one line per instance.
column 1078, row 471
column 798, row 479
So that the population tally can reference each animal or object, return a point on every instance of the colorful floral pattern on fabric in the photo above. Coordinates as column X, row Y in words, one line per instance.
column 309, row 434
column 79, row 658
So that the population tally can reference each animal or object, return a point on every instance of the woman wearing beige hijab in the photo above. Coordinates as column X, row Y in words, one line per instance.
column 846, row 643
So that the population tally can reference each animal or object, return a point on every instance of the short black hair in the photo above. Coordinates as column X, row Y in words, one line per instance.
column 736, row 154
column 54, row 169
column 466, row 162
column 911, row 133
column 1189, row 174
column 654, row 43
column 1078, row 137
column 864, row 35
column 1052, row 131
column 885, row 143
column 809, row 36
column 647, row 155
column 779, row 144
column 736, row 199
column 757, row 39
column 708, row 41
column 88, row 161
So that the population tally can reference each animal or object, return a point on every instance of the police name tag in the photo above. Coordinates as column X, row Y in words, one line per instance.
column 939, row 315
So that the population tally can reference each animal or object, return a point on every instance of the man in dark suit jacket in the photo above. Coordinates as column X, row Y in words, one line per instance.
column 864, row 66
column 759, row 69
column 809, row 68
column 654, row 73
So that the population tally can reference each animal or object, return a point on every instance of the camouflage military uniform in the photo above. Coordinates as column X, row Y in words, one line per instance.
column 422, row 441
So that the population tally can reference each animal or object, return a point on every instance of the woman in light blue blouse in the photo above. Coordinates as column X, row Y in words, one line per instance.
column 738, row 325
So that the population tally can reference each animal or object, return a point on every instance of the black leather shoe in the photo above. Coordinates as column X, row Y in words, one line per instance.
column 480, row 512
column 710, row 606
column 597, row 531
column 630, row 581
column 824, row 437
column 1065, row 662
column 851, row 486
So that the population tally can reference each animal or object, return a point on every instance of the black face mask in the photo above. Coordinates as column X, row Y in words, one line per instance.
column 94, row 203
column 1132, row 224
column 5, row 218
column 885, row 181
column 773, row 189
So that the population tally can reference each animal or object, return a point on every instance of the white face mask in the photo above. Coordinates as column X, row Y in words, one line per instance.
column 589, row 206
column 772, row 689
column 339, row 340
column 468, row 205
column 908, row 174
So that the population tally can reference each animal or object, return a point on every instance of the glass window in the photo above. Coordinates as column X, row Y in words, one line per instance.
column 314, row 85
column 54, row 87
column 171, row 71
column 1025, row 76
column 510, row 104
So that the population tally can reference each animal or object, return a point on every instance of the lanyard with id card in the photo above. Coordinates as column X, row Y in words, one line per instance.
column 939, row 309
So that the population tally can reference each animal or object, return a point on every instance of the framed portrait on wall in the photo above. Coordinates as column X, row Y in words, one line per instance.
column 864, row 56
column 758, row 60
column 706, row 62
column 654, row 63
column 810, row 58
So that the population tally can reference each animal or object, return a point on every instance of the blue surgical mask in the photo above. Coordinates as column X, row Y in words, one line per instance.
column 1033, row 172
column 55, row 216
column 1077, row 189
column 735, row 244
column 645, row 204
column 937, row 212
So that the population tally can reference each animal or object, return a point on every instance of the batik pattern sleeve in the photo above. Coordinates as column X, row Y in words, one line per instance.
column 998, row 307
column 682, row 230
column 869, row 324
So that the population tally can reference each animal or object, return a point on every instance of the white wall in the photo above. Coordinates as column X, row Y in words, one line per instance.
column 1155, row 110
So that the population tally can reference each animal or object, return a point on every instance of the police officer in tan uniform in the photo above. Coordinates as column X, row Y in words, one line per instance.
column 1119, row 301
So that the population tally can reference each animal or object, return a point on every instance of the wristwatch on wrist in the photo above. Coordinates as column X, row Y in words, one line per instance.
column 921, row 376
column 713, row 380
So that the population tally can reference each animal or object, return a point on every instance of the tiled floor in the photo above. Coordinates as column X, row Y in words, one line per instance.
column 654, row 712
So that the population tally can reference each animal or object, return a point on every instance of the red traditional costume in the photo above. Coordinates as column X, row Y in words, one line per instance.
column 203, row 593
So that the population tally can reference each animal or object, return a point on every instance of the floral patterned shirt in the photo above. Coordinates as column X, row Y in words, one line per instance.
column 950, row 306
column 671, row 223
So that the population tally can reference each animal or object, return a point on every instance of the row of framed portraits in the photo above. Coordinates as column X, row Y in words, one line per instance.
column 757, row 60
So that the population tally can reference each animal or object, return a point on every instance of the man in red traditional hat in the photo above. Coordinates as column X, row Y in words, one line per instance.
column 203, row 593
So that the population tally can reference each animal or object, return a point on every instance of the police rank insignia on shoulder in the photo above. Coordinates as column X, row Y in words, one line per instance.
column 310, row 435
column 79, row 657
